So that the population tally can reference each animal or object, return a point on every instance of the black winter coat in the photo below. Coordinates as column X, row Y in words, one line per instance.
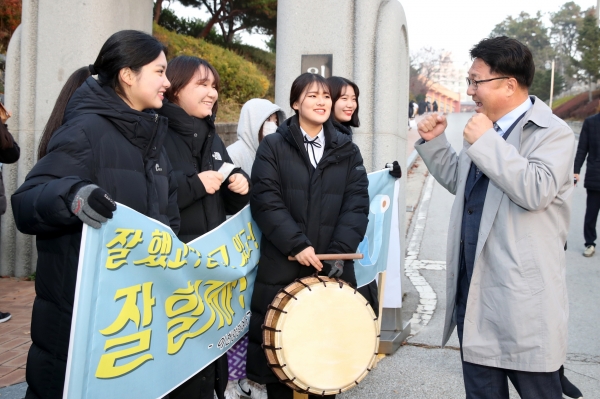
column 105, row 142
column 589, row 145
column 369, row 291
column 9, row 154
column 193, row 147
column 296, row 206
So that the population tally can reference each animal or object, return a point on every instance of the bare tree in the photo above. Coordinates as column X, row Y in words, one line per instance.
column 427, row 64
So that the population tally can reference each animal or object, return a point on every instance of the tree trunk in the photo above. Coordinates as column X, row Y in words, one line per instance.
column 216, row 17
column 157, row 10
column 590, row 92
column 230, row 32
column 209, row 25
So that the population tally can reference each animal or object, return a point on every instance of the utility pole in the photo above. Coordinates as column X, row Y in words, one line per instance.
column 552, row 83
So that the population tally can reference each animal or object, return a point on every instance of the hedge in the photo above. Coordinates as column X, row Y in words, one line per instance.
column 578, row 107
column 240, row 80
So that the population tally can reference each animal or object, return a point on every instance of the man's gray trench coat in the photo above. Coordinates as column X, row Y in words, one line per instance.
column 517, row 309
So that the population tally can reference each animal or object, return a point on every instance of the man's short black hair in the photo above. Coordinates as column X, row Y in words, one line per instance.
column 506, row 56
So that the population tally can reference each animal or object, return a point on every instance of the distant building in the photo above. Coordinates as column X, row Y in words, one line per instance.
column 451, row 76
column 448, row 101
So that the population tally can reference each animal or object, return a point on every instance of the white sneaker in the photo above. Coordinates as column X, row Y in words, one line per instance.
column 589, row 251
column 251, row 389
column 231, row 392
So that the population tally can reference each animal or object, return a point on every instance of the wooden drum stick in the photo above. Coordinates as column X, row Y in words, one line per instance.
column 334, row 257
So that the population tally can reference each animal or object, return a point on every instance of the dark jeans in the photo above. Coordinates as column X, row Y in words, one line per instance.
column 484, row 382
column 200, row 386
column 281, row 391
column 591, row 217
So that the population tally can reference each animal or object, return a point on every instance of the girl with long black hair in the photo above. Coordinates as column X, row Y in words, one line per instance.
column 104, row 143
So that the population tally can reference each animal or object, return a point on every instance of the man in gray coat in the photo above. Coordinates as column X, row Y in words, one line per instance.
column 513, row 180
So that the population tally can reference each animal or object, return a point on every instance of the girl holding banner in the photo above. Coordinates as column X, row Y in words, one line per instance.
column 108, row 149
column 206, row 192
column 310, row 196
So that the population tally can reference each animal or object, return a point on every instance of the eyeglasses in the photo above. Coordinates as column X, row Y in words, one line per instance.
column 476, row 83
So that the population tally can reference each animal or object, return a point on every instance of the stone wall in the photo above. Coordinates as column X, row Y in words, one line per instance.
column 54, row 39
column 227, row 132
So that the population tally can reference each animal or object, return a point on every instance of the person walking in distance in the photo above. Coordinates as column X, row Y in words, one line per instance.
column 589, row 146
column 506, row 283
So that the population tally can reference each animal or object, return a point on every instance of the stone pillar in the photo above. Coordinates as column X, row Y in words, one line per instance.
column 368, row 40
column 53, row 40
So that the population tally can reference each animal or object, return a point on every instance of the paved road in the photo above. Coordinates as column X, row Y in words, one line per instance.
column 422, row 369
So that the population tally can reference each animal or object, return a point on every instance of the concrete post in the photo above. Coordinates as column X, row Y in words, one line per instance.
column 53, row 40
column 369, row 43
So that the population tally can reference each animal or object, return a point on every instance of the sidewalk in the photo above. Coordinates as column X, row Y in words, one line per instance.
column 16, row 298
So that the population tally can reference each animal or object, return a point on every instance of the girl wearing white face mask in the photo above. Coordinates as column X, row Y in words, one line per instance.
column 258, row 119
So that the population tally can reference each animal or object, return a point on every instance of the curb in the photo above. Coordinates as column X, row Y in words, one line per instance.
column 411, row 159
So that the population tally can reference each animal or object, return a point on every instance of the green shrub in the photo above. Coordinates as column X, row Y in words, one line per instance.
column 264, row 60
column 240, row 79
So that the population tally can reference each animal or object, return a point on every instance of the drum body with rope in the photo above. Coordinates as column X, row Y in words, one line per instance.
column 320, row 336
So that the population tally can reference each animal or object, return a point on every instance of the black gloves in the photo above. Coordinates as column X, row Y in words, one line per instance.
column 337, row 268
column 395, row 170
column 93, row 205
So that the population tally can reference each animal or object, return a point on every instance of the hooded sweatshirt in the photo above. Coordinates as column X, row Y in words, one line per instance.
column 254, row 113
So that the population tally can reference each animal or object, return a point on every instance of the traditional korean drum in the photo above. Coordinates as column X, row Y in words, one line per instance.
column 320, row 336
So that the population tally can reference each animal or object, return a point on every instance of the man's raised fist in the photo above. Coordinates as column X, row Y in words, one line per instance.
column 432, row 126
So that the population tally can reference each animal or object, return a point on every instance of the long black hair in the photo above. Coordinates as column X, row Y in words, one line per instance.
column 125, row 49
column 58, row 112
column 338, row 87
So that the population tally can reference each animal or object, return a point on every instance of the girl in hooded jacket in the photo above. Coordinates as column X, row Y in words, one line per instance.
column 310, row 196
column 109, row 148
column 258, row 118
column 205, row 196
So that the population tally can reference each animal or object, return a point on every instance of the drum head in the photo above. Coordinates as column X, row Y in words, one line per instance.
column 329, row 338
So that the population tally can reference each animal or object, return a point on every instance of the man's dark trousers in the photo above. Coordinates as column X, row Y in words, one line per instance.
column 591, row 217
column 484, row 382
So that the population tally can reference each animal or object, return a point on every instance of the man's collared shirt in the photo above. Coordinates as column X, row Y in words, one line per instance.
column 315, row 150
column 507, row 120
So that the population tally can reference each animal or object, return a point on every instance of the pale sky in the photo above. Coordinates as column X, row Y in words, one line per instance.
column 457, row 25
column 453, row 25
